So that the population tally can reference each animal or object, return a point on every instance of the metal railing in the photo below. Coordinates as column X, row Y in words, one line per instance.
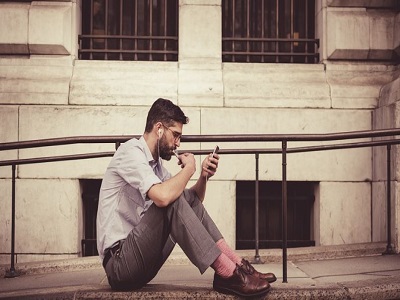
column 284, row 151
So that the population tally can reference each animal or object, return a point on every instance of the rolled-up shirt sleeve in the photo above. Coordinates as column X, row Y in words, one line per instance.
column 133, row 166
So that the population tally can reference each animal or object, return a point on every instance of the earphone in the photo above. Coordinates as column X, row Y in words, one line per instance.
column 159, row 132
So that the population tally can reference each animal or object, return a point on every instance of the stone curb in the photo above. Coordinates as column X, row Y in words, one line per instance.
column 386, row 288
column 266, row 256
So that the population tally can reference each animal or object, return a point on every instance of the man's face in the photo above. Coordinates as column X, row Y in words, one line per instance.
column 170, row 140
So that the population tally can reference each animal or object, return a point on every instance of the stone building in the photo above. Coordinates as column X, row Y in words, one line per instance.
column 68, row 68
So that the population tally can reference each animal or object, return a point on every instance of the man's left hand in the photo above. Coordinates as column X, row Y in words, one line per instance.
column 210, row 165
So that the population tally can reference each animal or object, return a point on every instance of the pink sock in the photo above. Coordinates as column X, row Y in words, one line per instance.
column 223, row 246
column 223, row 266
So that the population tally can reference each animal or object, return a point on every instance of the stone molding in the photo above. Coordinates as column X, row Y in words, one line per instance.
column 43, row 28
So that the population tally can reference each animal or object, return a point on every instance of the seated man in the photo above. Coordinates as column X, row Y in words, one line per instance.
column 143, row 211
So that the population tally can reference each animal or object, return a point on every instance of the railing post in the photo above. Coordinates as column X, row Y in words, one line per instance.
column 257, row 199
column 284, row 212
column 389, row 248
column 12, row 272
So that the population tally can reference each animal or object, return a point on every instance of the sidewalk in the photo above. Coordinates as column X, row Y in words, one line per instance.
column 361, row 276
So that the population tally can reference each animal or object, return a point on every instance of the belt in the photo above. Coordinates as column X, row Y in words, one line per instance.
column 108, row 253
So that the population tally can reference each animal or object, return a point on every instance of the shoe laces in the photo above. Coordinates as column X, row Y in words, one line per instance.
column 247, row 267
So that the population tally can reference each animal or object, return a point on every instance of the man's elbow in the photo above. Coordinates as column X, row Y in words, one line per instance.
column 161, row 196
column 160, row 203
column 162, row 199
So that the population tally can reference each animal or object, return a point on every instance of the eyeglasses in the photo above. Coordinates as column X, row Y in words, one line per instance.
column 177, row 135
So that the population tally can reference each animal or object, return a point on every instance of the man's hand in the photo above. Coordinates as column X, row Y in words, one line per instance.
column 187, row 160
column 168, row 191
column 210, row 165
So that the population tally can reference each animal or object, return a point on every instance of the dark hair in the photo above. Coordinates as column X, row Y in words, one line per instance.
column 166, row 112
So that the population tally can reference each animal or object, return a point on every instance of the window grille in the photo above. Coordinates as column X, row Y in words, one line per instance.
column 269, row 31
column 140, row 30
column 299, row 214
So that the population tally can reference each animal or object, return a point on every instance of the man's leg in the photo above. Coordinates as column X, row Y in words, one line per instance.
column 140, row 253
column 193, row 230
column 148, row 245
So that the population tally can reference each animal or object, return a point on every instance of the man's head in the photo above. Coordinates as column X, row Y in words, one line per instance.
column 165, row 119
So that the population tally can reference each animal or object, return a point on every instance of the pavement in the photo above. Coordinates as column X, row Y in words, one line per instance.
column 358, row 271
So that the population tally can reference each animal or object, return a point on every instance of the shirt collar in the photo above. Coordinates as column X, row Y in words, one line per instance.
column 147, row 151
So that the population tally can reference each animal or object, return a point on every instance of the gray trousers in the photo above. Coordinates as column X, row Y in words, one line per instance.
column 149, row 244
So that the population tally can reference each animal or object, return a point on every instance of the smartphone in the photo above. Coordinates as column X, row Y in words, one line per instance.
column 215, row 151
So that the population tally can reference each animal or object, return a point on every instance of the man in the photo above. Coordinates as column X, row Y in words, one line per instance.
column 143, row 211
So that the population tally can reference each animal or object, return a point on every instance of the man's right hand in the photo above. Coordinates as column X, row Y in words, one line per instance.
column 188, row 161
column 168, row 191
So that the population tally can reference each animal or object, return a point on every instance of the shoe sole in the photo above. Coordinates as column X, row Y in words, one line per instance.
column 271, row 281
column 233, row 292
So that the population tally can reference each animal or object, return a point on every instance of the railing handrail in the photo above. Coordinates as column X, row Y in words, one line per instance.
column 283, row 138
column 26, row 161
column 205, row 138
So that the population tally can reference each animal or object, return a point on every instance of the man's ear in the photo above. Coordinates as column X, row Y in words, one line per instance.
column 160, row 129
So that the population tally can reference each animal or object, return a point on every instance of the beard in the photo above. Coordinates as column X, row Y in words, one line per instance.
column 165, row 150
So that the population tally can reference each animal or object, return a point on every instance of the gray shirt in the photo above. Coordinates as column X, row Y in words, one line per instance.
column 123, row 196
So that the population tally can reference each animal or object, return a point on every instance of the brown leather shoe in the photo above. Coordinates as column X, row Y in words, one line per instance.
column 249, row 269
column 241, row 284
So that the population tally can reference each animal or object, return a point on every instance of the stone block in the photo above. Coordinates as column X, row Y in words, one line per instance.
column 81, row 121
column 381, row 34
column 269, row 85
column 199, row 86
column 390, row 93
column 396, row 37
column 8, row 133
column 220, row 202
column 345, row 213
column 313, row 166
column 363, row 3
column 199, row 39
column 14, row 28
column 48, row 216
column 50, row 28
column 35, row 81
column 379, row 211
column 357, row 86
column 358, row 34
column 347, row 34
column 123, row 83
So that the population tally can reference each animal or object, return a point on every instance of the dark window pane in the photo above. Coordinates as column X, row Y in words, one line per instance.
column 129, row 30
column 269, row 31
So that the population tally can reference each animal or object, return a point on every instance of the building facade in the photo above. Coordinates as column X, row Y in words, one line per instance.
column 48, row 90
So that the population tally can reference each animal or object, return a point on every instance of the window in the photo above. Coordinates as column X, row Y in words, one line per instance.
column 299, row 214
column 90, row 199
column 270, row 31
column 145, row 30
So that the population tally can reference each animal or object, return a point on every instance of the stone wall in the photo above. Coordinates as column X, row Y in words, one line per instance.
column 45, row 93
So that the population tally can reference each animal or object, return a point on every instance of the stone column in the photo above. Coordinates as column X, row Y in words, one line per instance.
column 386, row 116
column 200, row 42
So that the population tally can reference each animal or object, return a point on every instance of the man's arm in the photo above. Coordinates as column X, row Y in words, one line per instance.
column 164, row 193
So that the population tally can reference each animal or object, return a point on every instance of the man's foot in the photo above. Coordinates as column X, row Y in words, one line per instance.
column 249, row 269
column 241, row 283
